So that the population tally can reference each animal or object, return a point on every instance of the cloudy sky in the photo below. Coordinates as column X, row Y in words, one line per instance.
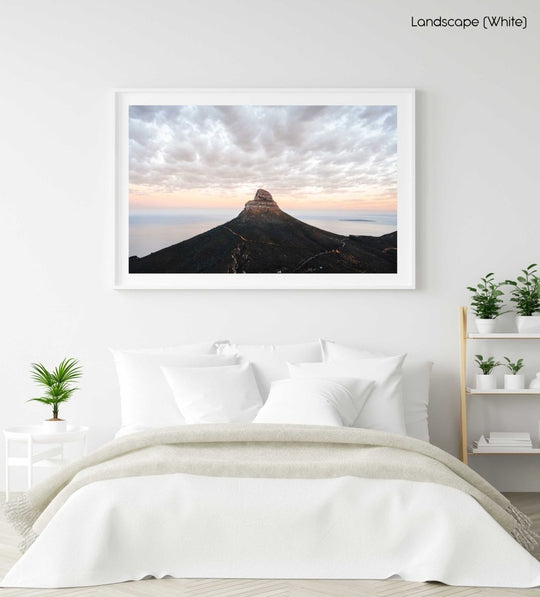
column 314, row 157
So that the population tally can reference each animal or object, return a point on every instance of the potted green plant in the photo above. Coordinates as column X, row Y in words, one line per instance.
column 526, row 296
column 58, row 388
column 514, row 380
column 486, row 380
column 486, row 303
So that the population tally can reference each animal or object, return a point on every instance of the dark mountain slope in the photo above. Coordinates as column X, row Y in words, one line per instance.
column 264, row 239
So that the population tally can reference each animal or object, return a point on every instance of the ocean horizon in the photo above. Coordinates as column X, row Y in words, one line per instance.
column 150, row 231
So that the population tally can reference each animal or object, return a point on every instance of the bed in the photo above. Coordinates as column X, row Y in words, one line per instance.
column 300, row 461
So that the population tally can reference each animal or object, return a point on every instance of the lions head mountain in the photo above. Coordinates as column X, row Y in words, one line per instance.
column 263, row 239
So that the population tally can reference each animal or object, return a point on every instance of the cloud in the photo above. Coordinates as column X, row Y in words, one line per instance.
column 286, row 149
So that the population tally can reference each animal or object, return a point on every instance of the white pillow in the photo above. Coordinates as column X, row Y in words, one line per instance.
column 224, row 395
column 146, row 399
column 315, row 401
column 416, row 381
column 129, row 429
column 269, row 361
column 384, row 407
column 209, row 347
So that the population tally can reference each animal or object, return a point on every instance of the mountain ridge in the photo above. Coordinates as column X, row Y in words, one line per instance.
column 265, row 239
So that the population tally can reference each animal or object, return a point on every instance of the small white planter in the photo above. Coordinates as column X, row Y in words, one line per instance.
column 528, row 324
column 486, row 382
column 52, row 426
column 535, row 382
column 514, row 382
column 486, row 326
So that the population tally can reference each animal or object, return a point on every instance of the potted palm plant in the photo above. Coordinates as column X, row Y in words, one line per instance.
column 58, row 388
column 486, row 303
column 526, row 296
column 486, row 380
column 514, row 380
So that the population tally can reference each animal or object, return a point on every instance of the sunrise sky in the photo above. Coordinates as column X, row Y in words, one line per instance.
column 308, row 157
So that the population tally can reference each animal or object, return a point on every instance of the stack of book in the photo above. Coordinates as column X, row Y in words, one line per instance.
column 504, row 441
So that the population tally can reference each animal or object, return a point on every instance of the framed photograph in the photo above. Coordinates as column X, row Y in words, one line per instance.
column 265, row 188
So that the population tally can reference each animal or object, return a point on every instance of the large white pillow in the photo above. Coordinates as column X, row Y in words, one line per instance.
column 383, row 409
column 146, row 399
column 416, row 382
column 269, row 361
column 315, row 401
column 224, row 395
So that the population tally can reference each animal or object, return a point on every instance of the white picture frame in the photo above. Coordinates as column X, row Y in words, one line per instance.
column 402, row 99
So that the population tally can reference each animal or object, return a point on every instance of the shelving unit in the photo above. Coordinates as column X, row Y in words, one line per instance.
column 466, row 392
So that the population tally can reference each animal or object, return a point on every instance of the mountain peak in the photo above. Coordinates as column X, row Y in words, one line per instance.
column 263, row 202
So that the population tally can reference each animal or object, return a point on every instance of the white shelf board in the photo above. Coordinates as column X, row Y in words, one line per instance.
column 505, row 451
column 504, row 336
column 502, row 392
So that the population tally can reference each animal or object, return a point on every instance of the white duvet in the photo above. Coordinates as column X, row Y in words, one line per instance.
column 185, row 526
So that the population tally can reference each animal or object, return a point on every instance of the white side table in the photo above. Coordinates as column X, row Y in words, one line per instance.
column 33, row 435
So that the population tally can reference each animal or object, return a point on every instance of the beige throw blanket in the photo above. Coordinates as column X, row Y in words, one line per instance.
column 277, row 451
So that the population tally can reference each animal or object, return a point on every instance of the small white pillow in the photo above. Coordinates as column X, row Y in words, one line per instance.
column 146, row 399
column 416, row 382
column 224, row 395
column 316, row 401
column 384, row 407
column 269, row 361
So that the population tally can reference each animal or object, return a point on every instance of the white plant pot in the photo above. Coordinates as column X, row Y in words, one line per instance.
column 514, row 382
column 50, row 426
column 528, row 324
column 486, row 382
column 486, row 326
column 535, row 382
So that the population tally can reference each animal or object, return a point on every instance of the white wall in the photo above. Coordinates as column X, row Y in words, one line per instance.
column 478, row 208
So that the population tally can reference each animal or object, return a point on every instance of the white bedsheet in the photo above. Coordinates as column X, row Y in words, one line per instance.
column 195, row 526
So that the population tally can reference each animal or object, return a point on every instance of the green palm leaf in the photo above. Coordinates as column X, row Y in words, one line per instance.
column 43, row 400
column 40, row 375
column 67, row 371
